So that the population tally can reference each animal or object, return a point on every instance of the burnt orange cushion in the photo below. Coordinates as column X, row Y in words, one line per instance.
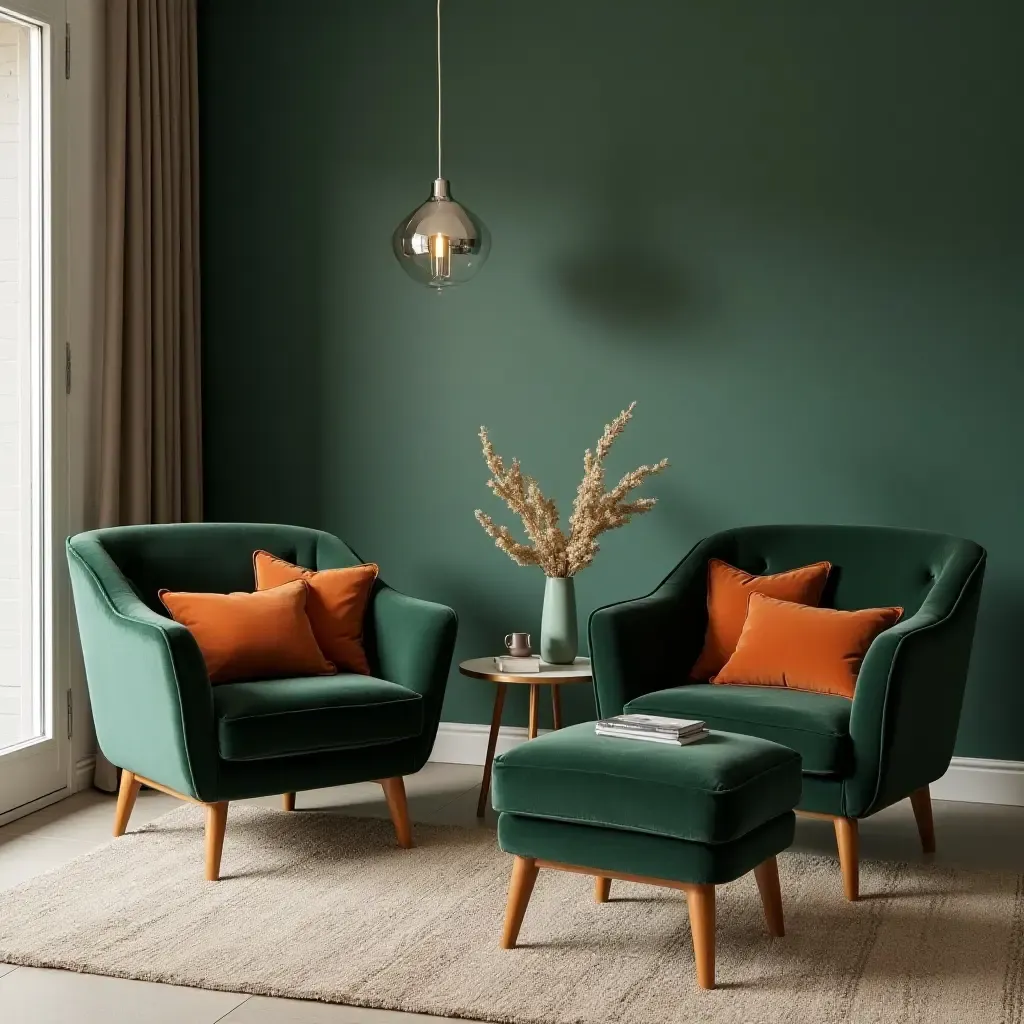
column 730, row 588
column 337, row 603
column 803, row 648
column 251, row 636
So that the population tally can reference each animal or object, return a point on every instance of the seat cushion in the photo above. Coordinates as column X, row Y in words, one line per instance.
column 713, row 791
column 815, row 725
column 278, row 717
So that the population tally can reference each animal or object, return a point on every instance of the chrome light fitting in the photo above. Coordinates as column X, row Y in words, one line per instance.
column 441, row 243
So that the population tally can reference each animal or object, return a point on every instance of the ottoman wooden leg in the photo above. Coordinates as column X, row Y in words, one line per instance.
column 701, row 901
column 767, row 877
column 602, row 888
column 524, row 874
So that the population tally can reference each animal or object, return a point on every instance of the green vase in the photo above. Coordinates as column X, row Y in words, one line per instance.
column 558, row 640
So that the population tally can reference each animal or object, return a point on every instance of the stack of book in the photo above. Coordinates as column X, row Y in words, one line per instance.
column 653, row 729
column 513, row 665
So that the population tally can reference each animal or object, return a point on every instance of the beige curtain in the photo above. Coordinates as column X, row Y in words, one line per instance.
column 150, row 457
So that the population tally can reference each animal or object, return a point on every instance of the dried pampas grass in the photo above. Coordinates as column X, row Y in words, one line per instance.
column 594, row 510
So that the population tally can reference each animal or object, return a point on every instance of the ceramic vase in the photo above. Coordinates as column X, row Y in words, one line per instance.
column 558, row 640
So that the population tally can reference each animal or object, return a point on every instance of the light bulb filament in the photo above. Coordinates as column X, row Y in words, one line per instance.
column 440, row 256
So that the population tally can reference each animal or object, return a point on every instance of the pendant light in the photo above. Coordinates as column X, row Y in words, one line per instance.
column 441, row 243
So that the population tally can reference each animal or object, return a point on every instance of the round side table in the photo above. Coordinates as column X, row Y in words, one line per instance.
column 549, row 675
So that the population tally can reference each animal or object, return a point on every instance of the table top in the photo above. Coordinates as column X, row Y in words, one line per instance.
column 486, row 668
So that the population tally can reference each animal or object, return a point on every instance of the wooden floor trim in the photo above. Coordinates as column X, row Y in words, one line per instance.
column 620, row 876
column 817, row 815
column 168, row 790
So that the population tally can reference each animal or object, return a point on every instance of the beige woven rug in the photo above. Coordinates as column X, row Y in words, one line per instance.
column 318, row 906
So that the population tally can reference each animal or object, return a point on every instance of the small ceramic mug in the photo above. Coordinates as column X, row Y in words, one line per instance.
column 518, row 645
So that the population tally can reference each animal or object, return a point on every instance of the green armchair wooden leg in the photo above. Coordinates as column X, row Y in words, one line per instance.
column 398, row 807
column 126, row 795
column 216, row 816
column 921, row 801
column 216, row 822
column 848, row 840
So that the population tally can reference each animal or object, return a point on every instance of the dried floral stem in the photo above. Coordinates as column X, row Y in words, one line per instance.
column 594, row 510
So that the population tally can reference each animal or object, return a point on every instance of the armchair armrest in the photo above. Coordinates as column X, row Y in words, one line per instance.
column 631, row 648
column 910, row 689
column 151, row 699
column 649, row 643
column 414, row 642
column 409, row 641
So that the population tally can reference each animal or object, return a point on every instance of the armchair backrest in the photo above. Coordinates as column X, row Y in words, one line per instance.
column 873, row 566
column 207, row 557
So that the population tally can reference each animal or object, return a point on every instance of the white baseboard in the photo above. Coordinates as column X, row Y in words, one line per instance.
column 465, row 743
column 84, row 769
column 971, row 779
column 980, row 780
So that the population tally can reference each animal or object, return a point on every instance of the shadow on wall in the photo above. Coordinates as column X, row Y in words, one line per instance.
column 624, row 287
column 629, row 273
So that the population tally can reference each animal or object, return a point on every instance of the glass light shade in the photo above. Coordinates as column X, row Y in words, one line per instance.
column 441, row 243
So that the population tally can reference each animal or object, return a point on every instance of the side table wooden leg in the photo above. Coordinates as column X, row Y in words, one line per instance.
column 534, row 698
column 556, row 706
column 492, row 742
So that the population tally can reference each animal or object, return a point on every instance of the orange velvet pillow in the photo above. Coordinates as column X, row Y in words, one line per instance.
column 337, row 603
column 730, row 588
column 820, row 649
column 251, row 636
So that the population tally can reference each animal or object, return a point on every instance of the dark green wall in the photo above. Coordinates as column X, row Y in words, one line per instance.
column 791, row 231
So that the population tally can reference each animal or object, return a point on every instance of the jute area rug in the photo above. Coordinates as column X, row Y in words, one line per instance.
column 318, row 906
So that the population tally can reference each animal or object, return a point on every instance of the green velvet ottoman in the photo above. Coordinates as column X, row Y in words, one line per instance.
column 689, row 817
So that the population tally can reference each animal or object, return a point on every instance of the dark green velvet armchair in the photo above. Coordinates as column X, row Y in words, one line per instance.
column 158, row 718
column 893, row 739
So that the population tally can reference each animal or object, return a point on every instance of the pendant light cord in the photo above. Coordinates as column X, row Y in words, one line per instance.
column 439, row 88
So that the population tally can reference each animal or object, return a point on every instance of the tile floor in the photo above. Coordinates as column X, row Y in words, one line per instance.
column 972, row 834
